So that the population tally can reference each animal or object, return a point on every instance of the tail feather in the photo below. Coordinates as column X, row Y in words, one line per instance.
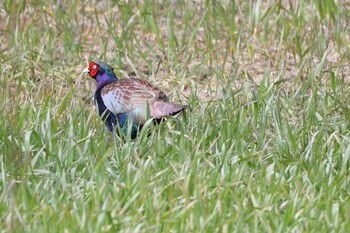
column 161, row 109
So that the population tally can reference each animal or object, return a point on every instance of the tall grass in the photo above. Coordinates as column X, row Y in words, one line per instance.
column 266, row 148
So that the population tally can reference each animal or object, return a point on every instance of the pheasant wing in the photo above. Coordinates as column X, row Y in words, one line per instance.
column 128, row 95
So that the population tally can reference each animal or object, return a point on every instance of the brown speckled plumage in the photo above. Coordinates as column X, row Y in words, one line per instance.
column 134, row 93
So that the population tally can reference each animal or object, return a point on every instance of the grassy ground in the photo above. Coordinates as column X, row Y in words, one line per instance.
column 266, row 148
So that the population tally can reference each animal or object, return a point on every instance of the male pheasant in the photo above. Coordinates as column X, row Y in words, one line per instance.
column 128, row 101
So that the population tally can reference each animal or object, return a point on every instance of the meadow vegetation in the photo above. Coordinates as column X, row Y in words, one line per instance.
column 265, row 149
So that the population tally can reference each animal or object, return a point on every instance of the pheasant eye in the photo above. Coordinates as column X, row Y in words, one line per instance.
column 94, row 67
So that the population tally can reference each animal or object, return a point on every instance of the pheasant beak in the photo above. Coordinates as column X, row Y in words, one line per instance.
column 86, row 70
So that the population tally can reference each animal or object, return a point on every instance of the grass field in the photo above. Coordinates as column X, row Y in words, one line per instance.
column 265, row 149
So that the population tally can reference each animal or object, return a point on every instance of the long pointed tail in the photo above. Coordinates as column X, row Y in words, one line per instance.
column 162, row 109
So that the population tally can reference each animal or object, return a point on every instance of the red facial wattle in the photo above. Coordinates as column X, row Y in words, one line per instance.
column 93, row 73
column 94, row 68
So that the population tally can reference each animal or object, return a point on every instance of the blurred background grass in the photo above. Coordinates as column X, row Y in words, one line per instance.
column 266, row 148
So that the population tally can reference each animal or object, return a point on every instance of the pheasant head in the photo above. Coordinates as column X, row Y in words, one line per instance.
column 101, row 72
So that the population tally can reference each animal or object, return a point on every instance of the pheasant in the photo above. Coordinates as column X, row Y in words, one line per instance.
column 128, row 101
